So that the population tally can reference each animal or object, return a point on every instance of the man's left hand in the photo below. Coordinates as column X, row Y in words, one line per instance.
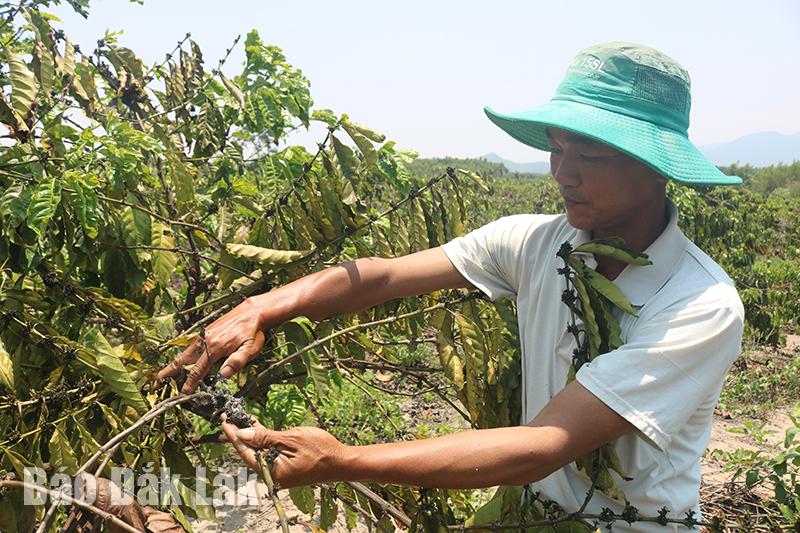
column 306, row 455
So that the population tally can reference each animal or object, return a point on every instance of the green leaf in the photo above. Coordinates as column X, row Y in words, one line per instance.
column 6, row 368
column 325, row 115
column 45, row 198
column 615, row 248
column 601, row 284
column 317, row 373
column 17, row 462
column 113, row 372
column 87, row 442
column 790, row 435
column 62, row 456
column 14, row 202
column 589, row 320
column 304, row 499
column 266, row 256
column 299, row 332
column 503, row 506
column 328, row 510
column 23, row 87
column 41, row 28
column 163, row 261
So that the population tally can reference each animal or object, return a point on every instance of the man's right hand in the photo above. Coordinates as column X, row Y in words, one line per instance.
column 238, row 333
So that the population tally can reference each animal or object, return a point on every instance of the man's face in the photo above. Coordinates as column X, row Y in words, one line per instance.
column 604, row 190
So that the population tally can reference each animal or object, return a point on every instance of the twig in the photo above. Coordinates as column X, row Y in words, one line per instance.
column 375, row 400
column 400, row 342
column 159, row 66
column 273, row 491
column 155, row 411
column 159, row 217
column 117, row 440
column 57, row 495
column 363, row 512
column 385, row 506
column 582, row 517
column 202, row 88
column 355, row 327
column 190, row 253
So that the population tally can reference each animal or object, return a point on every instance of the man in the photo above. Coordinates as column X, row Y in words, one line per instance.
column 617, row 131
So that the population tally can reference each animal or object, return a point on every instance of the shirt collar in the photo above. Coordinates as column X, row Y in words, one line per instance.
column 640, row 283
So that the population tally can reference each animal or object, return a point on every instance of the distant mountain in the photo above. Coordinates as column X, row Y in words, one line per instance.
column 758, row 149
column 539, row 167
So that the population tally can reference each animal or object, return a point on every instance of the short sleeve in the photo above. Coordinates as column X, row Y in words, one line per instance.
column 490, row 256
column 674, row 359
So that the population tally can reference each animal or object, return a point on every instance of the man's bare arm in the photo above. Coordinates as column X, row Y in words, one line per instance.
column 357, row 285
column 347, row 288
column 574, row 423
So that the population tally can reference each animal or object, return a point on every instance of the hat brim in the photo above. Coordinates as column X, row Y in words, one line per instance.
column 668, row 152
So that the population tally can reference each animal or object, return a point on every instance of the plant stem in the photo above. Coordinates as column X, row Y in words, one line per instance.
column 57, row 495
column 356, row 327
column 273, row 492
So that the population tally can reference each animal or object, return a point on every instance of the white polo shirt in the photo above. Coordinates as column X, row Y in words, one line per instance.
column 666, row 377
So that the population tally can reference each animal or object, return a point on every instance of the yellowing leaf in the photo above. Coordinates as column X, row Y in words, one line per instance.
column 67, row 63
column 23, row 89
column 363, row 143
column 347, row 160
column 234, row 90
column 44, row 201
column 614, row 247
column 266, row 256
column 6, row 368
column 182, row 178
column 363, row 130
column 165, row 260
column 62, row 456
column 47, row 67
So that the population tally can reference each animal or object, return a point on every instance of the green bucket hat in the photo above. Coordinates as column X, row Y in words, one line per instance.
column 630, row 97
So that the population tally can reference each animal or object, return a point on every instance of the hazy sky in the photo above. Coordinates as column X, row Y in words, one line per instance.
column 421, row 71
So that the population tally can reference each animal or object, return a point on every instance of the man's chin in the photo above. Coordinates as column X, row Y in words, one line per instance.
column 578, row 222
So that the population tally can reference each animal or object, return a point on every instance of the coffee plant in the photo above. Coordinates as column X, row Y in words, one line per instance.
column 140, row 202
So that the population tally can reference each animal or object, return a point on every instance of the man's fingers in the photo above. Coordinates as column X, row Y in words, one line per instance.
column 186, row 357
column 196, row 374
column 246, row 452
column 238, row 359
column 257, row 437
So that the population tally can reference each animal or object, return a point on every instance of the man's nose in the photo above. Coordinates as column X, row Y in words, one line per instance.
column 565, row 170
